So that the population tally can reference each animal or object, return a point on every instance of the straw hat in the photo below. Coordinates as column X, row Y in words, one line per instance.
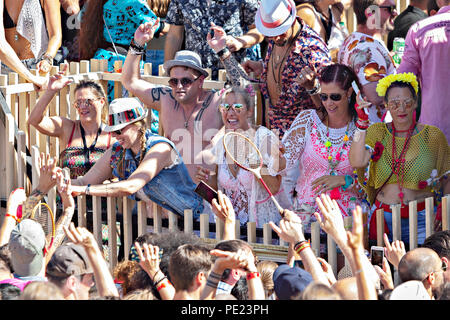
column 274, row 18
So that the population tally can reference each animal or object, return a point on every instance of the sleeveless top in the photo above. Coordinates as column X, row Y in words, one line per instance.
column 80, row 159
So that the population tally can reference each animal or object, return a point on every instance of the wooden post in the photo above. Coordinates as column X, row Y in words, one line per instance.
column 127, row 225
column 267, row 234
column 21, row 161
column 237, row 229
column 173, row 221
column 161, row 71
column 157, row 218
column 84, row 66
column 117, row 84
column 112, row 234
column 209, row 73
column 380, row 227
column 446, row 212
column 204, row 225
column 219, row 229
column 74, row 68
column 251, row 232
column 97, row 219
column 396, row 222
column 315, row 238
column 188, row 221
column 429, row 216
column 142, row 218
column 412, row 225
column 81, row 201
column 9, row 154
column 332, row 254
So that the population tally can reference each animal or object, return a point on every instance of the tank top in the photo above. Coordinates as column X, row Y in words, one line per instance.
column 80, row 159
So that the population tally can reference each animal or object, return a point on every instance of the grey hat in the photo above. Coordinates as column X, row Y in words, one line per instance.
column 27, row 243
column 188, row 59
column 69, row 259
column 123, row 111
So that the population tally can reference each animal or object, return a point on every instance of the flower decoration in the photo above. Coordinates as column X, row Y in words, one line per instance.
column 385, row 83
column 377, row 151
column 423, row 184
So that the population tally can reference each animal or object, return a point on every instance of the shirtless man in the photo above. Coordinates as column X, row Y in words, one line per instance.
column 188, row 113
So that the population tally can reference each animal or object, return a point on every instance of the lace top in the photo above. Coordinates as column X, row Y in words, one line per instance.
column 305, row 147
column 250, row 200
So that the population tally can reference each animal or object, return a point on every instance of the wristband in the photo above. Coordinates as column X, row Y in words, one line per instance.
column 159, row 281
column 252, row 275
column 136, row 49
column 161, row 27
column 222, row 52
column 348, row 182
column 302, row 247
column 315, row 90
column 47, row 58
column 14, row 217
column 87, row 189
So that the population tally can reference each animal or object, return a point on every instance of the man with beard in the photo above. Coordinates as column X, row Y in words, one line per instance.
column 365, row 52
column 188, row 113
column 424, row 264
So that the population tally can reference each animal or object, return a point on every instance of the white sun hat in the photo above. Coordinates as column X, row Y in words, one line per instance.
column 274, row 18
column 123, row 111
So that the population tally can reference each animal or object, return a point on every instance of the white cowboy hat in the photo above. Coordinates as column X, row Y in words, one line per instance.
column 274, row 18
column 123, row 111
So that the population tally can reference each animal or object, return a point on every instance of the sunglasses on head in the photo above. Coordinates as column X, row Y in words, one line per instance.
column 396, row 104
column 173, row 82
column 90, row 102
column 237, row 107
column 389, row 8
column 332, row 96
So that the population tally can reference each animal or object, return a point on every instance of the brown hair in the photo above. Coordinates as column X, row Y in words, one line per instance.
column 91, row 32
column 186, row 262
column 140, row 294
column 142, row 128
column 99, row 92
column 159, row 7
column 266, row 269
column 41, row 290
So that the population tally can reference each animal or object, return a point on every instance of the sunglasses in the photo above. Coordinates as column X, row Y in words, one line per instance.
column 90, row 102
column 117, row 132
column 333, row 96
column 225, row 107
column 394, row 105
column 391, row 9
column 173, row 82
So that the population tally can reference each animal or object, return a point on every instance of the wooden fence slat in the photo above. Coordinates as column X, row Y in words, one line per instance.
column 157, row 218
column 412, row 225
column 204, row 225
column 127, row 225
column 251, row 232
column 112, row 232
column 446, row 212
column 380, row 227
column 267, row 234
column 10, row 154
column 315, row 238
column 21, row 161
column 332, row 254
column 396, row 222
column 81, row 204
column 173, row 221
column 142, row 218
column 219, row 229
column 188, row 221
column 429, row 216
column 97, row 219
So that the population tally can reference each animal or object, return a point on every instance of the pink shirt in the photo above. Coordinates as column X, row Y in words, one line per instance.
column 427, row 55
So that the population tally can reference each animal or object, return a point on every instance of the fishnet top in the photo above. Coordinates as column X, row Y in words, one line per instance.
column 428, row 150
column 305, row 148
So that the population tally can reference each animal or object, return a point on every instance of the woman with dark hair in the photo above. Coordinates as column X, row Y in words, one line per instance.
column 400, row 161
column 84, row 140
column 318, row 143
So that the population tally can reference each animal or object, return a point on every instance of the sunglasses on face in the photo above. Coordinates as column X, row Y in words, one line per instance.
column 173, row 82
column 82, row 102
column 332, row 96
column 117, row 132
column 389, row 8
column 225, row 107
column 394, row 105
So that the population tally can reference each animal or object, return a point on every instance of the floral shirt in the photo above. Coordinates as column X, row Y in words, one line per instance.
column 370, row 60
column 234, row 16
column 293, row 97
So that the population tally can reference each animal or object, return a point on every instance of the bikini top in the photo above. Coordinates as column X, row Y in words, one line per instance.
column 8, row 21
column 80, row 159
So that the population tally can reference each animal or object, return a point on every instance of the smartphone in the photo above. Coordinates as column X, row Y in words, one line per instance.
column 376, row 256
column 206, row 192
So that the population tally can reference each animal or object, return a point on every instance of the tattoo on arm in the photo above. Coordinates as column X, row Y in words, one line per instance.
column 64, row 220
column 236, row 73
column 32, row 200
column 156, row 93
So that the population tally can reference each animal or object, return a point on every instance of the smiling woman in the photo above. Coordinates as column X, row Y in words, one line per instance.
column 317, row 146
column 84, row 140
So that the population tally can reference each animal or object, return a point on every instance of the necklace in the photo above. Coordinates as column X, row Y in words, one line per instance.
column 186, row 121
column 338, row 156
column 398, row 164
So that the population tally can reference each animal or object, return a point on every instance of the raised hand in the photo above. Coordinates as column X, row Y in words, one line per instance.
column 288, row 231
column 48, row 169
column 145, row 32
column 331, row 220
column 223, row 209
column 149, row 258
column 64, row 187
column 59, row 80
column 242, row 259
column 385, row 275
column 203, row 173
column 327, row 270
column 356, row 237
column 82, row 236
column 255, row 67
column 395, row 251
column 307, row 77
column 219, row 41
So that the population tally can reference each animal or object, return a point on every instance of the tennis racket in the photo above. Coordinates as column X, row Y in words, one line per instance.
column 44, row 215
column 244, row 153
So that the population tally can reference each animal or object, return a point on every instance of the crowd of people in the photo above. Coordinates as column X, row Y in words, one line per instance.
column 345, row 130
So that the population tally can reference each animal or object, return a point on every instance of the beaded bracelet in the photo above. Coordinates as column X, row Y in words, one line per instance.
column 252, row 275
column 302, row 247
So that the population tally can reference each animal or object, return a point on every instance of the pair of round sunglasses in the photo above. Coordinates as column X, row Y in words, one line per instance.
column 173, row 82
column 237, row 107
